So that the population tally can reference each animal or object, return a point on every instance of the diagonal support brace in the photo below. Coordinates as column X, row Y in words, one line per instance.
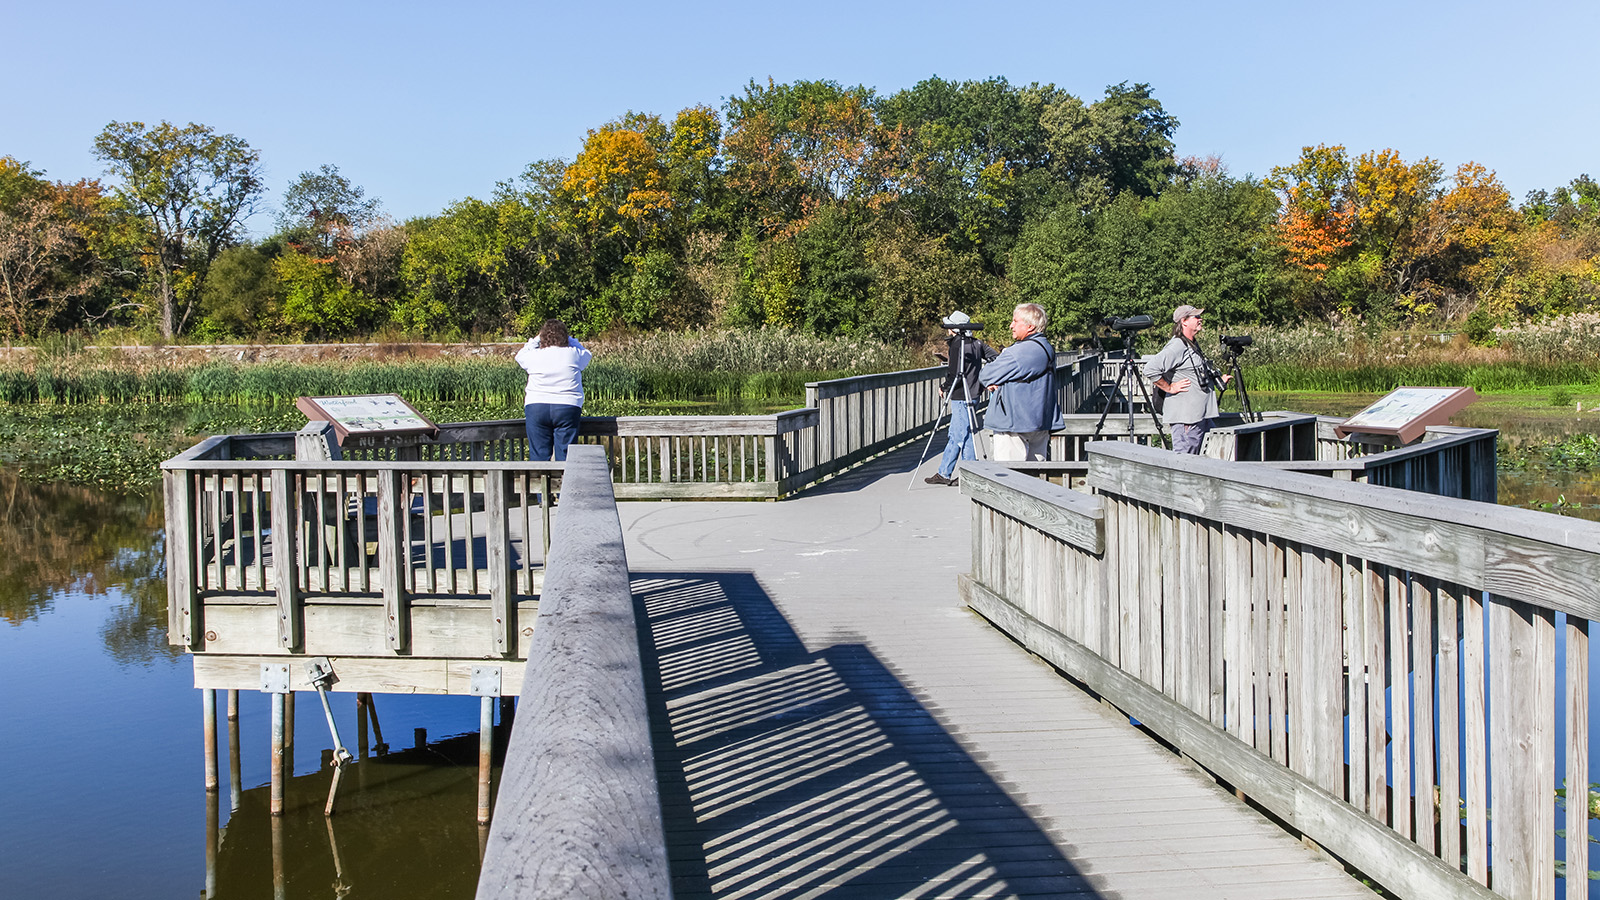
column 319, row 673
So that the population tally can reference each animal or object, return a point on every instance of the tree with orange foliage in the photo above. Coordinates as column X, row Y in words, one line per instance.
column 1316, row 220
column 48, row 233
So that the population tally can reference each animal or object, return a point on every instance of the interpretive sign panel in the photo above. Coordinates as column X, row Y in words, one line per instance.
column 370, row 420
column 1408, row 411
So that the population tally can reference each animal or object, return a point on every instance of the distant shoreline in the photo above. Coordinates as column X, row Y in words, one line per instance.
column 194, row 353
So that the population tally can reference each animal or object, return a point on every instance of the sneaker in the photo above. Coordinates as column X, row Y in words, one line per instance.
column 936, row 478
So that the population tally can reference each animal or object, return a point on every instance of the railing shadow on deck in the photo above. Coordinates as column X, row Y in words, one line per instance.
column 789, row 773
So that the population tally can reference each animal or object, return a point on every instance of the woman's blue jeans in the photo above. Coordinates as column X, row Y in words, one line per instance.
column 960, row 444
column 551, row 427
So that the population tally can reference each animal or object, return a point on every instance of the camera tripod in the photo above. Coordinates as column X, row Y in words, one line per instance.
column 1239, row 392
column 1127, row 374
column 959, row 383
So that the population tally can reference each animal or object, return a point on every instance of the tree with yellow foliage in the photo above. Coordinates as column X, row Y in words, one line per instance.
column 617, row 186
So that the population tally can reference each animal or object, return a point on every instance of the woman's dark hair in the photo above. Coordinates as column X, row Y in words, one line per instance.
column 553, row 334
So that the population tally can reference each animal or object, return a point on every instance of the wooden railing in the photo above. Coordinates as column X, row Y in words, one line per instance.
column 1448, row 461
column 1376, row 668
column 426, row 558
column 1277, row 436
column 846, row 420
column 579, row 809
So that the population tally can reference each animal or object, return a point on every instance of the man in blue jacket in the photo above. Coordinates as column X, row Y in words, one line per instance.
column 1024, row 408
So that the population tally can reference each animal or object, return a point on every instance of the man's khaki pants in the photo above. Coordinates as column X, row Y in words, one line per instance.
column 1021, row 446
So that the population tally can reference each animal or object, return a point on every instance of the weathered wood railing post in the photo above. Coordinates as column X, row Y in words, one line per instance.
column 579, row 809
column 497, row 547
column 1325, row 615
column 285, row 562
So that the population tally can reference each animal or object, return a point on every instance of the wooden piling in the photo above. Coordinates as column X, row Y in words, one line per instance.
column 288, row 729
column 278, row 705
column 485, row 755
column 280, row 881
column 208, row 704
column 378, row 745
column 235, row 791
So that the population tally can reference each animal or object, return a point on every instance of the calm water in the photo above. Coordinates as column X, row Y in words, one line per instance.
column 101, row 791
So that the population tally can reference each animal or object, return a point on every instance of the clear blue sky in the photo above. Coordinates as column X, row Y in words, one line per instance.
column 426, row 103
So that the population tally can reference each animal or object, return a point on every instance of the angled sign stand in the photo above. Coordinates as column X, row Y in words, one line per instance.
column 368, row 421
column 1408, row 411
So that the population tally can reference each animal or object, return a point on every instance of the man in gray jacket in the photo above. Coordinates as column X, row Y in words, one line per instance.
column 1024, row 408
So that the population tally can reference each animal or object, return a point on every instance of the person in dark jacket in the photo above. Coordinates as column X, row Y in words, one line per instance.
column 962, row 388
column 1024, row 409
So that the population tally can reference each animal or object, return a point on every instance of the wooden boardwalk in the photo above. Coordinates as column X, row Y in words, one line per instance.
column 832, row 721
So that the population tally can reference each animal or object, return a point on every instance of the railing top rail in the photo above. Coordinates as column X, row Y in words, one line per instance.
column 207, row 449
column 1550, row 561
column 1073, row 516
column 721, row 425
column 579, row 811
column 1271, row 421
column 837, row 387
column 1076, row 424
column 180, row 464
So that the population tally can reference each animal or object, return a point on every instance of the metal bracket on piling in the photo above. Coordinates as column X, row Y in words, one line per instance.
column 319, row 672
column 485, row 685
column 485, row 681
column 274, row 678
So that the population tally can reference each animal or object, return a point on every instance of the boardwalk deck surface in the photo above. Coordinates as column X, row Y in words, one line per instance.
column 832, row 721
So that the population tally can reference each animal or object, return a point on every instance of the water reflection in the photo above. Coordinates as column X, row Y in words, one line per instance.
column 406, row 827
column 1553, row 490
column 63, row 539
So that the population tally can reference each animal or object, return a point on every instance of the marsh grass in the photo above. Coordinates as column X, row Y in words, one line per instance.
column 765, row 365
column 1353, row 359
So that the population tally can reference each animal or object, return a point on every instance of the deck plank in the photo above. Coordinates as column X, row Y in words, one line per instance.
column 830, row 720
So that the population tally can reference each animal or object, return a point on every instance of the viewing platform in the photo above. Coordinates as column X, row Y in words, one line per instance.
column 884, row 688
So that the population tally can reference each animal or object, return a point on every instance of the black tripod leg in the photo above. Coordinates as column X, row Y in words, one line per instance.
column 1242, row 394
column 1106, row 410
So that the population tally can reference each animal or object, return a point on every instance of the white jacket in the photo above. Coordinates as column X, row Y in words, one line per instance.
column 555, row 374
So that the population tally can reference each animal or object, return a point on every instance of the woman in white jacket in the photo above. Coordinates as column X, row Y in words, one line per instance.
column 554, row 400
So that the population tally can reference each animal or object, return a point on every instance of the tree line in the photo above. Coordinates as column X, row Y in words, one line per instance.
column 811, row 205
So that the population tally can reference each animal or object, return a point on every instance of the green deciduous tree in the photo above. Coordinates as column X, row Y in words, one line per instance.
column 917, row 279
column 1207, row 239
column 328, row 207
column 193, row 189
column 317, row 303
column 241, row 298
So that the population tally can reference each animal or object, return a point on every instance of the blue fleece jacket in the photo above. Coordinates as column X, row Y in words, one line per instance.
column 1026, row 399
